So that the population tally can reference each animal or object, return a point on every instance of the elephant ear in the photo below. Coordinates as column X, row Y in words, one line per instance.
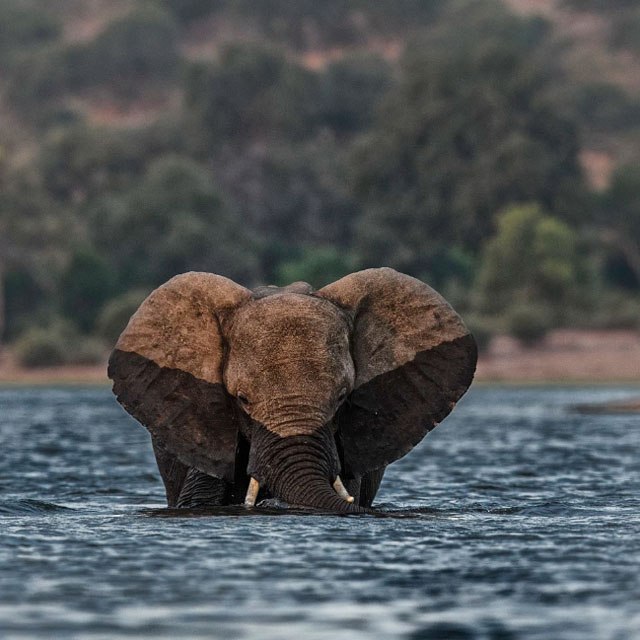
column 414, row 359
column 167, row 370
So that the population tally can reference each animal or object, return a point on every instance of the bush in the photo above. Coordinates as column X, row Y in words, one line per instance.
column 39, row 347
column 482, row 328
column 24, row 26
column 79, row 162
column 317, row 265
column 182, row 223
column 132, row 53
column 86, row 284
column 617, row 310
column 626, row 31
column 532, row 257
column 139, row 48
column 86, row 350
column 528, row 323
column 252, row 92
column 57, row 344
column 116, row 313
column 188, row 10
column 351, row 89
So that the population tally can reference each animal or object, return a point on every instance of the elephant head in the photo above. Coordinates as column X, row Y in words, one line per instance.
column 309, row 384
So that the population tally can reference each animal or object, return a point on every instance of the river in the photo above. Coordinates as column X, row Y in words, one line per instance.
column 515, row 518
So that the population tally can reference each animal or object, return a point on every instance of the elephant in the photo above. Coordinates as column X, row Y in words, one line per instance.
column 289, row 393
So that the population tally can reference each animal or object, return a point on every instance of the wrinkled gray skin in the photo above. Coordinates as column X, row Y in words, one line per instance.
column 290, row 368
column 289, row 386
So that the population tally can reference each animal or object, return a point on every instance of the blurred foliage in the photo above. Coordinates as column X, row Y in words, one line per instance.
column 85, row 285
column 39, row 347
column 483, row 329
column 187, row 10
column 78, row 162
column 619, row 216
column 276, row 141
column 531, row 260
column 24, row 24
column 606, row 107
column 123, row 61
column 173, row 220
column 135, row 50
column 114, row 316
column 318, row 266
column 57, row 344
column 617, row 310
column 290, row 196
column 625, row 20
column 528, row 322
column 307, row 24
column 466, row 132
column 25, row 300
column 626, row 32
column 251, row 93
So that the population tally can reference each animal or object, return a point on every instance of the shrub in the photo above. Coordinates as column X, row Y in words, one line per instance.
column 41, row 347
column 187, row 10
column 482, row 328
column 116, row 313
column 626, row 31
column 86, row 284
column 23, row 26
column 86, row 350
column 532, row 257
column 253, row 91
column 139, row 48
column 528, row 323
column 617, row 310
column 57, row 344
column 351, row 90
column 317, row 265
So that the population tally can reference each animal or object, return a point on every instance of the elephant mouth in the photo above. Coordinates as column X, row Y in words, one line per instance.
column 254, row 488
column 300, row 470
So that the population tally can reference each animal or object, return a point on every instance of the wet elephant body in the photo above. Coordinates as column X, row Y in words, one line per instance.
column 290, row 393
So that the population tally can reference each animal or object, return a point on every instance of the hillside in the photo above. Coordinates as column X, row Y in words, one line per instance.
column 491, row 151
column 583, row 38
column 592, row 55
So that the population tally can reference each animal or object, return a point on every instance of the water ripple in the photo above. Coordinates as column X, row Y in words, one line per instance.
column 514, row 519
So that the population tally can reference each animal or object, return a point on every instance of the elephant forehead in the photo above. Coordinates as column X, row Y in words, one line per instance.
column 288, row 320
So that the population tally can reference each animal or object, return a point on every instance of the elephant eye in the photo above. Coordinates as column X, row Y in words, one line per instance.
column 342, row 395
column 242, row 399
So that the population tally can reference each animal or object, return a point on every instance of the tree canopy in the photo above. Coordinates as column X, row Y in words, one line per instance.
column 276, row 141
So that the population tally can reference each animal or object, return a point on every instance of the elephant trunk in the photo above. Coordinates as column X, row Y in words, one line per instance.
column 299, row 469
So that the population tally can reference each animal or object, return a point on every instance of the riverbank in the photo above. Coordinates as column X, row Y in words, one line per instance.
column 564, row 357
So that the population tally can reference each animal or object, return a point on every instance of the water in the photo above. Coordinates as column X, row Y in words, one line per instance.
column 514, row 519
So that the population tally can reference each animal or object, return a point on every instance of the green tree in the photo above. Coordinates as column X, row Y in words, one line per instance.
column 86, row 284
column 618, row 216
column 188, row 10
column 532, row 260
column 466, row 131
column 133, row 51
column 291, row 196
column 175, row 220
column 351, row 89
column 24, row 24
column 252, row 93
column 131, row 54
column 32, row 232
column 316, row 265
column 79, row 163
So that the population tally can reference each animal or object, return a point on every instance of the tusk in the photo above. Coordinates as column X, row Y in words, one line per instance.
column 341, row 490
column 252, row 493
